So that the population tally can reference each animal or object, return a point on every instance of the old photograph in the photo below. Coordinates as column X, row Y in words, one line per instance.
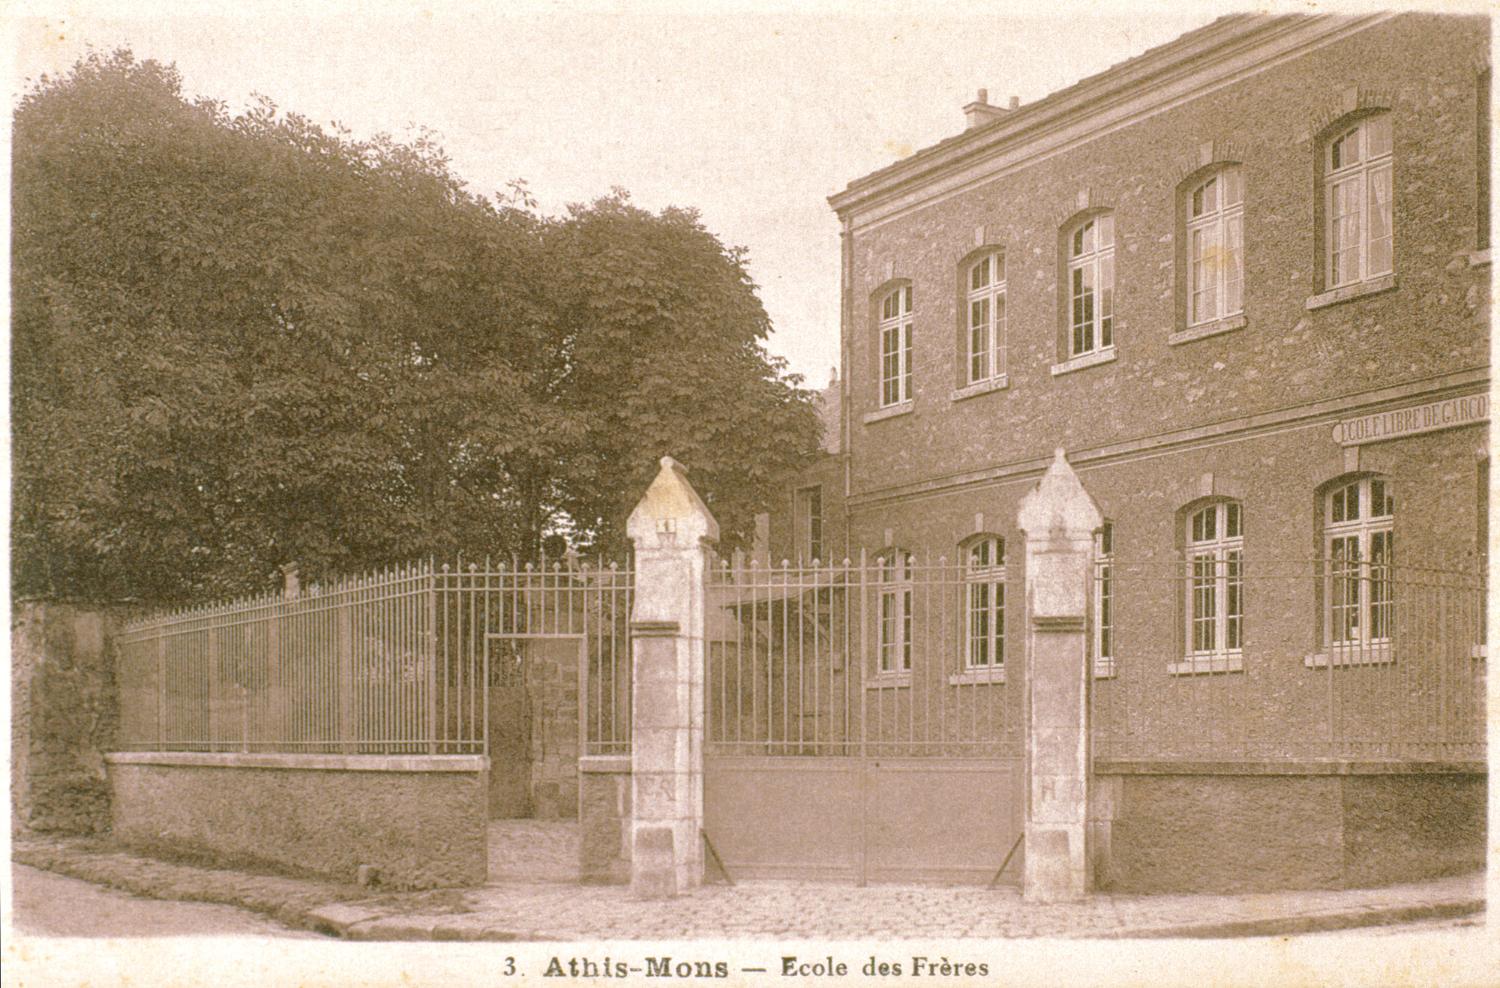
column 760, row 493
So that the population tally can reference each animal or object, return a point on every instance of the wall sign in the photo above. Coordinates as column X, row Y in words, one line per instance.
column 1448, row 414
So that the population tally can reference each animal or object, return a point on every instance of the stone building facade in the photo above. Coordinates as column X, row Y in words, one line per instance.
column 1243, row 280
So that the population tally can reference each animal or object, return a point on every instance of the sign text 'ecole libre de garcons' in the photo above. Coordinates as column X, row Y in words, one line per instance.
column 1447, row 414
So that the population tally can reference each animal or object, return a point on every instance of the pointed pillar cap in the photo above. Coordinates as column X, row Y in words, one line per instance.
column 671, row 512
column 1059, row 503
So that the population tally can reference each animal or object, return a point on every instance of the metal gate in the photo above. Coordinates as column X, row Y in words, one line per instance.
column 864, row 719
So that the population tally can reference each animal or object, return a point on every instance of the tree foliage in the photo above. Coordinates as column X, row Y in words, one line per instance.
column 240, row 340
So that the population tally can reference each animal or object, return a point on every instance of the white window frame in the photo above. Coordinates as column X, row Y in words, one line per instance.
column 984, row 604
column 895, row 347
column 1091, row 258
column 893, row 615
column 809, row 522
column 1215, row 215
column 1104, row 601
column 1359, row 629
column 1214, row 537
column 984, row 315
column 1350, row 199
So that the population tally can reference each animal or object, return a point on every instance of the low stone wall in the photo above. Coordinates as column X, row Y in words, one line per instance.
column 604, row 811
column 419, row 821
column 64, row 711
column 1248, row 827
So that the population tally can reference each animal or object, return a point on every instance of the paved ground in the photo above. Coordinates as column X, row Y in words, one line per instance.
column 541, row 905
column 51, row 905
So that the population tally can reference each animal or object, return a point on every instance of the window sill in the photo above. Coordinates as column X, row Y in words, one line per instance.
column 1203, row 332
column 1369, row 655
column 1347, row 293
column 981, row 388
column 1086, row 360
column 888, row 681
column 1479, row 258
column 889, row 412
column 993, row 674
column 1221, row 662
column 1104, row 668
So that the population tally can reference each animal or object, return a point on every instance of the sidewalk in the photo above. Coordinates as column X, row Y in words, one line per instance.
column 536, row 910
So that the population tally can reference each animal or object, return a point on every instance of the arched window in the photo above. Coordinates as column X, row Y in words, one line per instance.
column 984, row 602
column 895, row 347
column 1215, row 218
column 1104, row 600
column 985, row 339
column 1359, row 550
column 1356, row 169
column 1215, row 592
column 1091, row 285
column 894, row 651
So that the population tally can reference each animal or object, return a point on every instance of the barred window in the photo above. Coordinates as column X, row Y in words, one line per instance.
column 1357, row 202
column 985, row 339
column 894, row 643
column 1359, row 545
column 1215, row 591
column 895, row 347
column 984, row 603
column 1215, row 246
column 1091, row 285
column 809, row 523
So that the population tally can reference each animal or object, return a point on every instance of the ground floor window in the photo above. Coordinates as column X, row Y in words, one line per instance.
column 984, row 602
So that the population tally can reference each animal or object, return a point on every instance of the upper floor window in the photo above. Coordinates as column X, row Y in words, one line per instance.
column 1091, row 285
column 986, row 319
column 984, row 602
column 1357, row 202
column 1359, row 546
column 809, row 522
column 1216, row 597
column 1104, row 601
column 895, row 347
column 1215, row 246
column 894, row 639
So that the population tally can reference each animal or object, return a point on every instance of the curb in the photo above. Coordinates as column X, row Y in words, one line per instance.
column 1276, row 926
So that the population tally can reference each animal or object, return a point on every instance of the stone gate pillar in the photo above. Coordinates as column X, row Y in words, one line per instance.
column 1059, row 519
column 672, row 531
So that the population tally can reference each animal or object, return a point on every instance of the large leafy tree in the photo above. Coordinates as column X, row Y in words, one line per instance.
column 242, row 340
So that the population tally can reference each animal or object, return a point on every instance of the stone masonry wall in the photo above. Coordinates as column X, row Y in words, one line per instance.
column 64, row 710
column 419, row 829
column 1435, row 321
column 552, row 680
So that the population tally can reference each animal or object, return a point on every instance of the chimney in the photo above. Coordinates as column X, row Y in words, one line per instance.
column 980, row 112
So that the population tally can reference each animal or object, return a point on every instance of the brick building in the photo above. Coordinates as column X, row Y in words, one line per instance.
column 1243, row 280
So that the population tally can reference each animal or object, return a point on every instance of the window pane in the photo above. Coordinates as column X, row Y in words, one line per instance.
column 979, row 275
column 1234, row 600
column 1380, row 221
column 906, row 299
column 1106, row 298
column 999, row 260
column 1231, row 521
column 1083, row 239
column 999, row 334
column 1234, row 186
column 1106, row 230
column 1378, row 135
column 1233, row 264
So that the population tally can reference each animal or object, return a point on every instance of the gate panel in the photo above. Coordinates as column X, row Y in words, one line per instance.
column 775, row 817
column 941, row 819
column 862, row 720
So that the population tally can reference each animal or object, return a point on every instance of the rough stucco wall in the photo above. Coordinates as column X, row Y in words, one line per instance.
column 1228, row 833
column 419, row 829
column 64, row 711
column 604, row 814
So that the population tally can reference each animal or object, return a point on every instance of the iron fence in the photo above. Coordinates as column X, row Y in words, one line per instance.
column 397, row 662
column 890, row 655
column 1229, row 659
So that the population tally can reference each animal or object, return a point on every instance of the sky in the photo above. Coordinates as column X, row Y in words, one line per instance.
column 751, row 113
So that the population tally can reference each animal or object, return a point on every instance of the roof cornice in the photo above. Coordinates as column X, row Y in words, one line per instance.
column 1093, row 97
